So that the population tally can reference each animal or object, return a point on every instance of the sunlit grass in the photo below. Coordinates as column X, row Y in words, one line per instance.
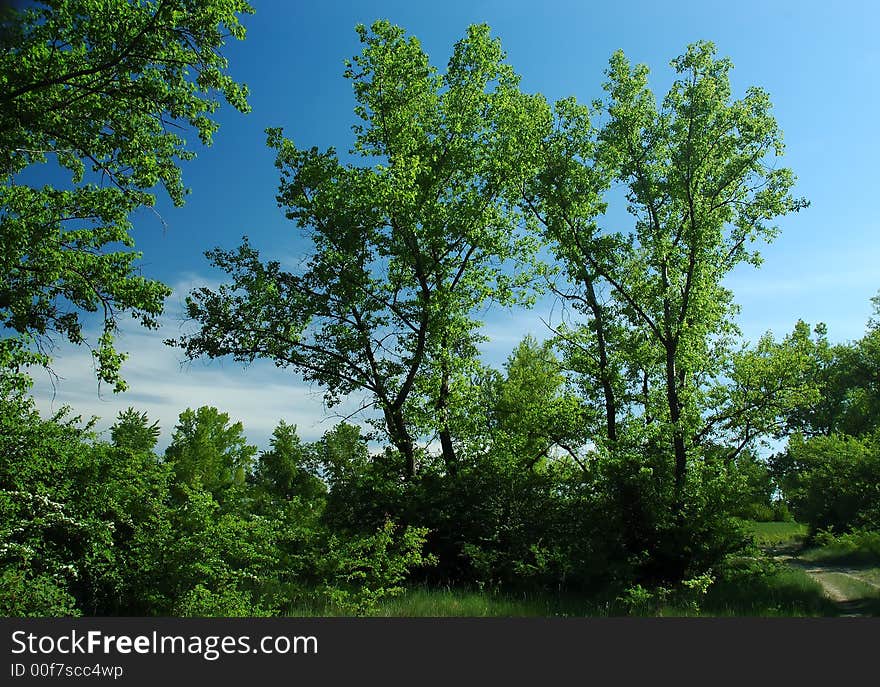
column 776, row 533
column 864, row 598
column 445, row 602
column 852, row 587
column 871, row 575
column 427, row 602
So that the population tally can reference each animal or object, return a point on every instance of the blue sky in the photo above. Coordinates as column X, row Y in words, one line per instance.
column 819, row 61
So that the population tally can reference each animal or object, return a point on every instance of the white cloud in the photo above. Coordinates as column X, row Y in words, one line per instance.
column 163, row 384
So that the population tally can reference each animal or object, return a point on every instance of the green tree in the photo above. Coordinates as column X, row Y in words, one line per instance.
column 44, row 538
column 848, row 380
column 289, row 468
column 407, row 249
column 531, row 410
column 208, row 451
column 832, row 482
column 760, row 389
column 133, row 431
column 73, row 511
column 106, row 91
column 566, row 197
column 702, row 188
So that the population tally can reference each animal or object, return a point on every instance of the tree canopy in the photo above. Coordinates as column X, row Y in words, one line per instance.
column 104, row 91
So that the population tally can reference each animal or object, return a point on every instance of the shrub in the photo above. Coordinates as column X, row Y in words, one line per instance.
column 833, row 482
column 858, row 546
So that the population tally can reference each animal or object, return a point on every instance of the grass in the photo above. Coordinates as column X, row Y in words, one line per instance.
column 748, row 588
column 446, row 602
column 782, row 592
column 871, row 575
column 768, row 589
column 864, row 598
column 851, row 586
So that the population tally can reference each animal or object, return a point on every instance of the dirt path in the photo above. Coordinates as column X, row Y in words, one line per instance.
column 828, row 576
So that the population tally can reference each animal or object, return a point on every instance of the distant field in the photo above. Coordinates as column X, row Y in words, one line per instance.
column 776, row 533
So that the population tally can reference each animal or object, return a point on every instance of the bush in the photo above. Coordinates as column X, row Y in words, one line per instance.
column 228, row 602
column 833, row 482
column 25, row 596
column 858, row 546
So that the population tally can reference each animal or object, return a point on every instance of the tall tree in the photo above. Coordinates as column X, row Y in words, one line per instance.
column 702, row 188
column 407, row 249
column 565, row 195
column 106, row 91
column 132, row 430
column 289, row 468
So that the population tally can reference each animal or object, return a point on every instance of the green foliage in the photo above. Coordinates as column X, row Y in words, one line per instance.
column 201, row 602
column 623, row 467
column 202, row 552
column 24, row 596
column 701, row 186
column 101, row 89
column 685, row 599
column 70, row 509
column 361, row 572
column 45, row 544
column 752, row 481
column 764, row 386
column 637, row 510
column 208, row 451
column 39, row 555
column 847, row 378
column 91, row 528
column 132, row 431
column 531, row 412
column 289, row 468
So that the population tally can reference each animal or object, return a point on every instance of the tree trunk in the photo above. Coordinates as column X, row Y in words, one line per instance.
column 604, row 371
column 400, row 437
column 678, row 445
column 448, row 450
column 446, row 447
